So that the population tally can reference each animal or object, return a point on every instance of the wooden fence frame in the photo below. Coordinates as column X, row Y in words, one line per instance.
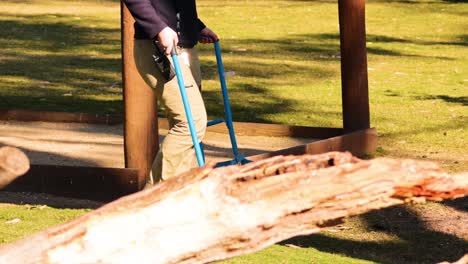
column 141, row 121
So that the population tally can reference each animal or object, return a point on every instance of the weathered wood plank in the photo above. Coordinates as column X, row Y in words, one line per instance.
column 358, row 143
column 241, row 128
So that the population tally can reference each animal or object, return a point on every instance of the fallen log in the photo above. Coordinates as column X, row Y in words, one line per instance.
column 13, row 163
column 211, row 214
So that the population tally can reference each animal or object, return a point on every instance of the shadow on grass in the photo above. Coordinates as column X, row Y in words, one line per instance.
column 413, row 242
column 59, row 79
column 255, row 102
column 282, row 53
column 67, row 78
column 460, row 40
column 461, row 100
column 72, row 104
column 321, row 47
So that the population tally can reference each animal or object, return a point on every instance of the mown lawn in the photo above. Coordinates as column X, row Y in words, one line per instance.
column 65, row 56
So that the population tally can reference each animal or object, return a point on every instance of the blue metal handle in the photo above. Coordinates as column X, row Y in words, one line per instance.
column 227, row 106
column 215, row 122
column 188, row 111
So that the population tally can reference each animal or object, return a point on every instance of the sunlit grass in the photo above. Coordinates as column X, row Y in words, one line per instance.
column 17, row 221
column 280, row 254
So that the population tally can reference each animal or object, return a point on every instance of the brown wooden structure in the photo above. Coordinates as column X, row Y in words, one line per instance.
column 355, row 98
column 141, row 122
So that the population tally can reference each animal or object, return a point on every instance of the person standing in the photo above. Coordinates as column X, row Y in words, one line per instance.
column 172, row 22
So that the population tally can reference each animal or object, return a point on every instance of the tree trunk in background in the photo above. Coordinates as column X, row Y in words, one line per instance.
column 210, row 214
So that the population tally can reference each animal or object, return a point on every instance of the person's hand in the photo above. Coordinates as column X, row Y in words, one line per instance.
column 208, row 36
column 167, row 39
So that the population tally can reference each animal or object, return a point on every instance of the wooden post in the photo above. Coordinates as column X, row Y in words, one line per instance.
column 141, row 121
column 354, row 65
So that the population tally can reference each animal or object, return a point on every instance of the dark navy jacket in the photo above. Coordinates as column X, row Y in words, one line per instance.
column 152, row 16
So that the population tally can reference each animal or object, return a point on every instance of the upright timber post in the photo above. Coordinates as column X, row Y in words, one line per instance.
column 354, row 65
column 141, row 120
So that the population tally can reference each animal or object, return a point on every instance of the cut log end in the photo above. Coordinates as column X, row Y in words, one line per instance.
column 13, row 163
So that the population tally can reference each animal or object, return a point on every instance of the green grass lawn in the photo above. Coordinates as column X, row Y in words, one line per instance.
column 65, row 56
column 31, row 219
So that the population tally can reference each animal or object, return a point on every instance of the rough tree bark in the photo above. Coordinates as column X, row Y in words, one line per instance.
column 13, row 163
column 210, row 214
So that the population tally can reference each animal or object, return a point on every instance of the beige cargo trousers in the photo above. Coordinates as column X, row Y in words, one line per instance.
column 176, row 153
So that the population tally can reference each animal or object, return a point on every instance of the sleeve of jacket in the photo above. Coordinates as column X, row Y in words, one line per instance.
column 201, row 25
column 146, row 16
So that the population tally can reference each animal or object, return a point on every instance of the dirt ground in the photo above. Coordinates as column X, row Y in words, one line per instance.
column 102, row 145
column 94, row 145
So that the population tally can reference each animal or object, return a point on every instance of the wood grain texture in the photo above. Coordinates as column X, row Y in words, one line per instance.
column 210, row 214
column 241, row 128
column 357, row 142
column 355, row 90
column 141, row 140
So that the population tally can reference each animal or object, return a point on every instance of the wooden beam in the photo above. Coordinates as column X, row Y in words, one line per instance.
column 81, row 182
column 276, row 130
column 270, row 130
column 358, row 142
column 48, row 116
column 141, row 116
column 241, row 128
column 355, row 94
column 110, row 183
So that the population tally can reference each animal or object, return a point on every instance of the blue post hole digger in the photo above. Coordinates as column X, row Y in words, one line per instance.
column 238, row 158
